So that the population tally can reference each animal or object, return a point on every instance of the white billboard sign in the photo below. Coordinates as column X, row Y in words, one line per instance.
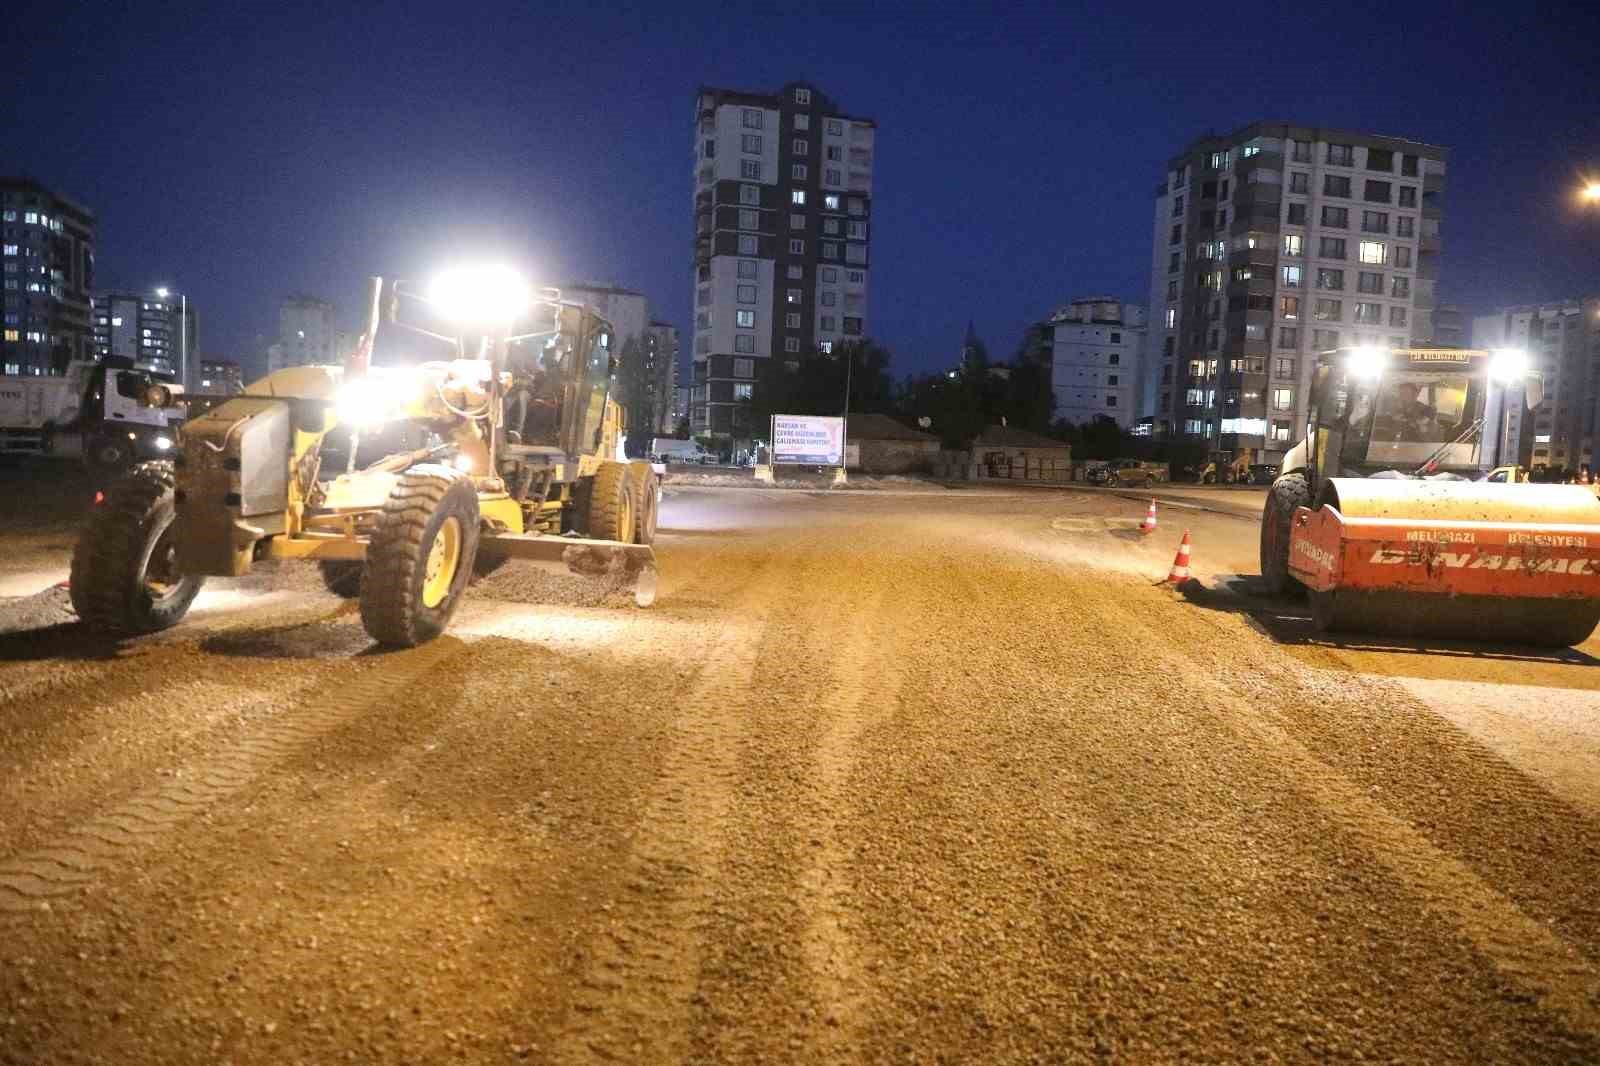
column 807, row 440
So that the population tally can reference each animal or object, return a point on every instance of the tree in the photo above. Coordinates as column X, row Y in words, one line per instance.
column 636, row 393
column 813, row 383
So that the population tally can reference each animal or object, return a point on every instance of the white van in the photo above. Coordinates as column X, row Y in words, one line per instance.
column 672, row 450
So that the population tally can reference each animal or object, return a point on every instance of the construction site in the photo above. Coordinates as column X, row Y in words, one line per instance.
column 883, row 774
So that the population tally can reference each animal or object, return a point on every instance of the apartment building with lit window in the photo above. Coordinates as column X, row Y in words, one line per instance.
column 1095, row 343
column 1563, row 341
column 1273, row 243
column 782, row 217
column 47, row 267
column 307, row 334
column 143, row 327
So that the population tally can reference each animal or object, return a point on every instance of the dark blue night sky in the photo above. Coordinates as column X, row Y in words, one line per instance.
column 246, row 151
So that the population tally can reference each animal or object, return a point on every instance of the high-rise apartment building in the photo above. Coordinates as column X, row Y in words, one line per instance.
column 307, row 334
column 144, row 327
column 1563, row 342
column 1094, row 346
column 1271, row 244
column 661, row 352
column 782, row 217
column 47, row 266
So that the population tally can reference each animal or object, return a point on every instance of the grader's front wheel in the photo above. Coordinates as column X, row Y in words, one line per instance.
column 420, row 557
column 125, row 573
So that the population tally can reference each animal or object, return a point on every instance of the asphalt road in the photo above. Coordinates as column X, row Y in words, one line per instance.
column 884, row 776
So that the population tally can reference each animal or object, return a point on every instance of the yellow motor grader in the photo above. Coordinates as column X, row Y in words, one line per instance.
column 510, row 451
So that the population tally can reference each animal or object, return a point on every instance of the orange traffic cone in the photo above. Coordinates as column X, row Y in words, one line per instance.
column 1180, row 563
column 1149, row 523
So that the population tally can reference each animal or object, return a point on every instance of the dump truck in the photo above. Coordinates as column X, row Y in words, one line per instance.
column 1378, row 515
column 105, row 408
column 510, row 453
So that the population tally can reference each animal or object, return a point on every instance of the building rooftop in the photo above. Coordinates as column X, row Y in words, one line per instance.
column 882, row 427
column 1012, row 437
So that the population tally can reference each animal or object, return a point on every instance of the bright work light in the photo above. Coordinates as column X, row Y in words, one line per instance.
column 481, row 296
column 1367, row 362
column 1508, row 365
column 376, row 398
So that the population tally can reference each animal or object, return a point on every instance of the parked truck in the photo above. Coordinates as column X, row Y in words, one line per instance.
column 111, row 411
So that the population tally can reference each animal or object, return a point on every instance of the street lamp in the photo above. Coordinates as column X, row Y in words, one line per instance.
column 1591, row 192
column 183, row 333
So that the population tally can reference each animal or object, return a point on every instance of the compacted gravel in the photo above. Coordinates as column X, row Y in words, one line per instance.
column 880, row 778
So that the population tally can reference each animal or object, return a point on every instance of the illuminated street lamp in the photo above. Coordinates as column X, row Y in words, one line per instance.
column 1591, row 192
column 183, row 333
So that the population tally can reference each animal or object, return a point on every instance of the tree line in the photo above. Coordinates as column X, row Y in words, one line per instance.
column 954, row 405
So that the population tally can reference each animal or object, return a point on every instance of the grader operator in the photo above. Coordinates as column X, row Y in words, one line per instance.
column 515, row 458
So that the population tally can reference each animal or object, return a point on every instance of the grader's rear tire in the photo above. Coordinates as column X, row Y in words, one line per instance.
column 125, row 576
column 342, row 577
column 644, row 499
column 420, row 557
column 612, row 504
column 1288, row 492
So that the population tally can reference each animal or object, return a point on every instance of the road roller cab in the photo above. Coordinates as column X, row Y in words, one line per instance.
column 1380, row 513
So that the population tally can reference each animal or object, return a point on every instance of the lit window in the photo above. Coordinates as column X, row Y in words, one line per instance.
column 1172, row 318
column 1293, row 244
column 31, row 217
column 743, row 392
column 1283, row 399
column 1374, row 252
column 1291, row 277
column 11, row 249
column 12, row 334
column 794, row 296
column 745, row 319
column 797, row 196
column 826, row 347
column 830, row 202
column 116, row 320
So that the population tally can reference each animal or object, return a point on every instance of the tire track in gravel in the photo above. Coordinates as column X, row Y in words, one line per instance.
column 145, row 665
column 1525, row 952
column 635, row 993
column 80, row 856
column 863, row 691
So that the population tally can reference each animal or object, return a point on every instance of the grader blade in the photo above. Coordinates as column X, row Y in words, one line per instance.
column 629, row 565
column 1504, row 563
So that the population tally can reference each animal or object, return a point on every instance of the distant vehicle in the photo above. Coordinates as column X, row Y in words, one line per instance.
column 1261, row 474
column 1131, row 472
column 1101, row 474
column 113, row 406
column 672, row 450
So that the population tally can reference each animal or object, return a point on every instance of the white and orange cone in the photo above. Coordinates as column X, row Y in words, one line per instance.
column 1149, row 523
column 1180, row 563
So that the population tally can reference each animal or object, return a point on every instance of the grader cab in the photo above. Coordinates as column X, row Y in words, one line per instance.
column 509, row 452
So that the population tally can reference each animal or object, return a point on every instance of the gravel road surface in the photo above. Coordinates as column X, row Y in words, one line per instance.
column 883, row 777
